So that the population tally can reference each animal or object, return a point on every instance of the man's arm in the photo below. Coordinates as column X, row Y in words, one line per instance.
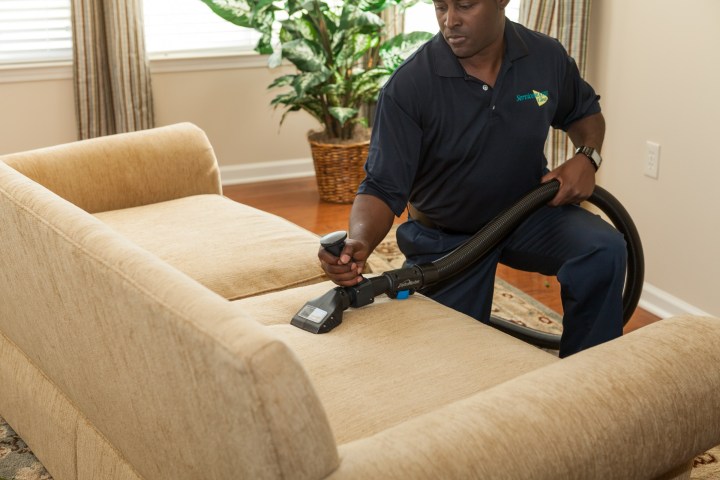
column 370, row 220
column 577, row 174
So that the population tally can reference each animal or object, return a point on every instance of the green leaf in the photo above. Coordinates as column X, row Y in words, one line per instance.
column 305, row 82
column 237, row 12
column 264, row 45
column 367, row 84
column 397, row 49
column 275, row 59
column 305, row 55
column 343, row 114
column 334, row 46
column 282, row 81
column 355, row 20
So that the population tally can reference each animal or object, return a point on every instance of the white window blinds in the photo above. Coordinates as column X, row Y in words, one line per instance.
column 35, row 31
column 186, row 26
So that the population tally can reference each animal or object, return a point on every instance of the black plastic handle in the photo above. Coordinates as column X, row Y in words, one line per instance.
column 334, row 242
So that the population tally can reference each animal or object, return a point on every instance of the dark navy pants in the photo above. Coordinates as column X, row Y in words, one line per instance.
column 587, row 255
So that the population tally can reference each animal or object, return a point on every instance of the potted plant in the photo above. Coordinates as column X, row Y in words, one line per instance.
column 342, row 57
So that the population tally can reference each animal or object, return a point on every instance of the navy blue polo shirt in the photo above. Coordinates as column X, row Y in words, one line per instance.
column 460, row 150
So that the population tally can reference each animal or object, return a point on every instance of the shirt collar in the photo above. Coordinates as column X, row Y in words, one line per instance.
column 446, row 63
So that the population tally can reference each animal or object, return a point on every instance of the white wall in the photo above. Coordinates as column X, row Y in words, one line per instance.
column 36, row 114
column 233, row 107
column 231, row 103
column 655, row 64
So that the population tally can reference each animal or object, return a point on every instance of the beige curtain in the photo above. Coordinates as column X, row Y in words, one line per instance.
column 112, row 79
column 394, row 20
column 568, row 21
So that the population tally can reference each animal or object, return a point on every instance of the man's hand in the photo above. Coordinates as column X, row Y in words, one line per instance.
column 370, row 221
column 347, row 269
column 577, row 180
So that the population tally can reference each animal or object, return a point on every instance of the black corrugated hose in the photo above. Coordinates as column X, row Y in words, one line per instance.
column 480, row 244
column 322, row 314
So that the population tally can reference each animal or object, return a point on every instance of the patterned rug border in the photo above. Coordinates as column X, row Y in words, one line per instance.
column 532, row 301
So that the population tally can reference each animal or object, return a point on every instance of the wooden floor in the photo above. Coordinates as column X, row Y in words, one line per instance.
column 297, row 200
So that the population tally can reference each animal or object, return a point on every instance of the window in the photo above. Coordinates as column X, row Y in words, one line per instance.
column 180, row 27
column 34, row 31
column 421, row 16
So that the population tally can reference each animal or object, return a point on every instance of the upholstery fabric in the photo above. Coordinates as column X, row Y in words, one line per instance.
column 588, row 416
column 395, row 359
column 98, row 459
column 234, row 250
column 145, row 352
column 125, row 170
column 36, row 409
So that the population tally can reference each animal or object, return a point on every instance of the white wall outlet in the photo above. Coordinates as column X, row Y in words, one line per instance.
column 652, row 159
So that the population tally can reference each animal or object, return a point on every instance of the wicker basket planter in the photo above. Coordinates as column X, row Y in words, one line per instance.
column 338, row 167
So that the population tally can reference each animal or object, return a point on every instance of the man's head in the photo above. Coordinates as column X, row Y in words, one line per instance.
column 470, row 27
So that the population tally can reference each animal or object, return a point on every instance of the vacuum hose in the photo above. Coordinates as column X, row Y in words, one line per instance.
column 324, row 313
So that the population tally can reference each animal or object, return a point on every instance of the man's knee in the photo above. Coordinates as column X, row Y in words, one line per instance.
column 602, row 259
column 612, row 248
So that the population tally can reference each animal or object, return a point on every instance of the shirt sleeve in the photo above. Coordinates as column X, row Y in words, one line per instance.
column 394, row 154
column 578, row 99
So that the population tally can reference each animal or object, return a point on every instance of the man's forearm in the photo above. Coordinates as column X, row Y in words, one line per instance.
column 370, row 220
column 577, row 174
column 588, row 131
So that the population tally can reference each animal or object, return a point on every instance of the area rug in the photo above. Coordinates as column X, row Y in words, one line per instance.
column 17, row 462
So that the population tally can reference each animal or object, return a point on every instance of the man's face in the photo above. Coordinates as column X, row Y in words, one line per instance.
column 470, row 26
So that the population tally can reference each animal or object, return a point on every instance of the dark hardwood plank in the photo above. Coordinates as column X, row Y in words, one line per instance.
column 296, row 200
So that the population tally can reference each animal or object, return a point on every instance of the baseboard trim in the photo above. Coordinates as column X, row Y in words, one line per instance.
column 266, row 171
column 664, row 305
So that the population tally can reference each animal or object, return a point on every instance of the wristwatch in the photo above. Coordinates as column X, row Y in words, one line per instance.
column 592, row 155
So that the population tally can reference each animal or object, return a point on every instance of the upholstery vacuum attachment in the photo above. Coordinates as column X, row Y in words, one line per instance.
column 324, row 313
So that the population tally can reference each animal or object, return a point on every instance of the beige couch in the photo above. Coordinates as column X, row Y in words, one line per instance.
column 144, row 333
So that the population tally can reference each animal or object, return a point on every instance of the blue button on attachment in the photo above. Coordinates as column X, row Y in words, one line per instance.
column 403, row 294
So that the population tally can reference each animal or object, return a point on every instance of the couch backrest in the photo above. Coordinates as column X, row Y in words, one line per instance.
column 125, row 170
column 176, row 379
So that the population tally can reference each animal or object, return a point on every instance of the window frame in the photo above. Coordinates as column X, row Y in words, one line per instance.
column 160, row 62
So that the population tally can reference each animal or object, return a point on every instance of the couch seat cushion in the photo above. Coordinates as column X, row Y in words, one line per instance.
column 394, row 359
column 233, row 249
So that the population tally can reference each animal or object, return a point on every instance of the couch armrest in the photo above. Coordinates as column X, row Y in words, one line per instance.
column 637, row 407
column 125, row 170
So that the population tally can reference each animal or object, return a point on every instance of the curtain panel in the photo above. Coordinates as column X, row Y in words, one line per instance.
column 113, row 91
column 568, row 21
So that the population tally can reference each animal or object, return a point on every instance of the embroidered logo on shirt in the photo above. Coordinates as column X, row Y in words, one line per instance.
column 540, row 97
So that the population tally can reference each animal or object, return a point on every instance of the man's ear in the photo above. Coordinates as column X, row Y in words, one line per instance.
column 503, row 3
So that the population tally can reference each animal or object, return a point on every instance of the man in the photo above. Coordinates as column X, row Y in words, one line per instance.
column 458, row 137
